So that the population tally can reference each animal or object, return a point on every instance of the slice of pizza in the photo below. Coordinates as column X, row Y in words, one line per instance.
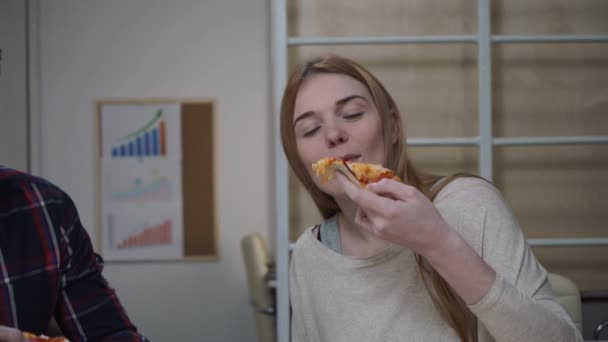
column 358, row 173
column 41, row 338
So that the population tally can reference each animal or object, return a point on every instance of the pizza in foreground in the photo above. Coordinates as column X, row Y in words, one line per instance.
column 358, row 173
column 41, row 338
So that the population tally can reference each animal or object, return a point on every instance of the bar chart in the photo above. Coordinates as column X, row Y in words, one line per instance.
column 140, row 235
column 147, row 141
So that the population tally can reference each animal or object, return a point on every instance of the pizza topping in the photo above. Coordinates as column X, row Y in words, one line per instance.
column 42, row 338
column 359, row 173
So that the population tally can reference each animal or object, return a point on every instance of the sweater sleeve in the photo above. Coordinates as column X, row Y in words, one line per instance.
column 508, row 314
column 520, row 305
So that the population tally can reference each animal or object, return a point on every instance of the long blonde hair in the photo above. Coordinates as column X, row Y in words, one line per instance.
column 449, row 304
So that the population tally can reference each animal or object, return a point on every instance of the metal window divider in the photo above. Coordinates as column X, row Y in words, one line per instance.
column 281, row 198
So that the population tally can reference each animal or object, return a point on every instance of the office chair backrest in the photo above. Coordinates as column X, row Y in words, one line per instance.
column 257, row 261
column 569, row 297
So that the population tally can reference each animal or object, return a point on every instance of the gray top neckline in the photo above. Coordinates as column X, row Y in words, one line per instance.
column 329, row 233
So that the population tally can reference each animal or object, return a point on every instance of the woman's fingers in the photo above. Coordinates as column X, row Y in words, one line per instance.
column 393, row 189
column 365, row 199
column 362, row 219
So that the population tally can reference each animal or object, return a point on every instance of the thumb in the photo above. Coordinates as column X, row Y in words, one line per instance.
column 348, row 186
column 9, row 334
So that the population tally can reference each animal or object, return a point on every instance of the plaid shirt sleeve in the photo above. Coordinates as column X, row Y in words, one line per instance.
column 88, row 308
column 49, row 267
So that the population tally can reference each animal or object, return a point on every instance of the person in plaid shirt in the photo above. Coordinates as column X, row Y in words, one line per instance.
column 48, row 267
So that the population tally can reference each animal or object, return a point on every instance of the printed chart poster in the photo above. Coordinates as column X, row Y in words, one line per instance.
column 141, row 182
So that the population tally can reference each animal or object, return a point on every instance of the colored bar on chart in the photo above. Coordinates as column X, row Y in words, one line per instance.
column 155, row 139
column 123, row 150
column 140, row 146
column 163, row 140
column 147, row 143
column 131, row 148
column 114, row 151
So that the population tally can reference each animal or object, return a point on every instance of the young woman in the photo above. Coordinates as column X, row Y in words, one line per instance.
column 429, row 259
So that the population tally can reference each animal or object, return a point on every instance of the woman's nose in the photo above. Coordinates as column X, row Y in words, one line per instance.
column 335, row 136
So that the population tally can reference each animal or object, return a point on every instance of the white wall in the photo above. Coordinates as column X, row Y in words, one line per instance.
column 13, row 86
column 92, row 50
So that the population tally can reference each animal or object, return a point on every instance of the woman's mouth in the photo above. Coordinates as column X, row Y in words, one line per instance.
column 350, row 157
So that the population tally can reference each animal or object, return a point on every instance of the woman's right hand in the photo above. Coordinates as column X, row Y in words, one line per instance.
column 398, row 213
column 8, row 334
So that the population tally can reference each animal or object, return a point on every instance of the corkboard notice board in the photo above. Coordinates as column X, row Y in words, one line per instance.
column 156, row 180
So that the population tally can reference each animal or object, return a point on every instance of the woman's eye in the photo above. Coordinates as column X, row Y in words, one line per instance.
column 353, row 116
column 312, row 131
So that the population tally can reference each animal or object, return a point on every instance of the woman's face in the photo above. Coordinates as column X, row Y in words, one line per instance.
column 334, row 116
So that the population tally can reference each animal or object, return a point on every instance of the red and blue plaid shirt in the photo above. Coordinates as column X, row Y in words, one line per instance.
column 48, row 267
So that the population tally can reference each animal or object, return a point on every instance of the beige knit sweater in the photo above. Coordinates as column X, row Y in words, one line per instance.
column 382, row 298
